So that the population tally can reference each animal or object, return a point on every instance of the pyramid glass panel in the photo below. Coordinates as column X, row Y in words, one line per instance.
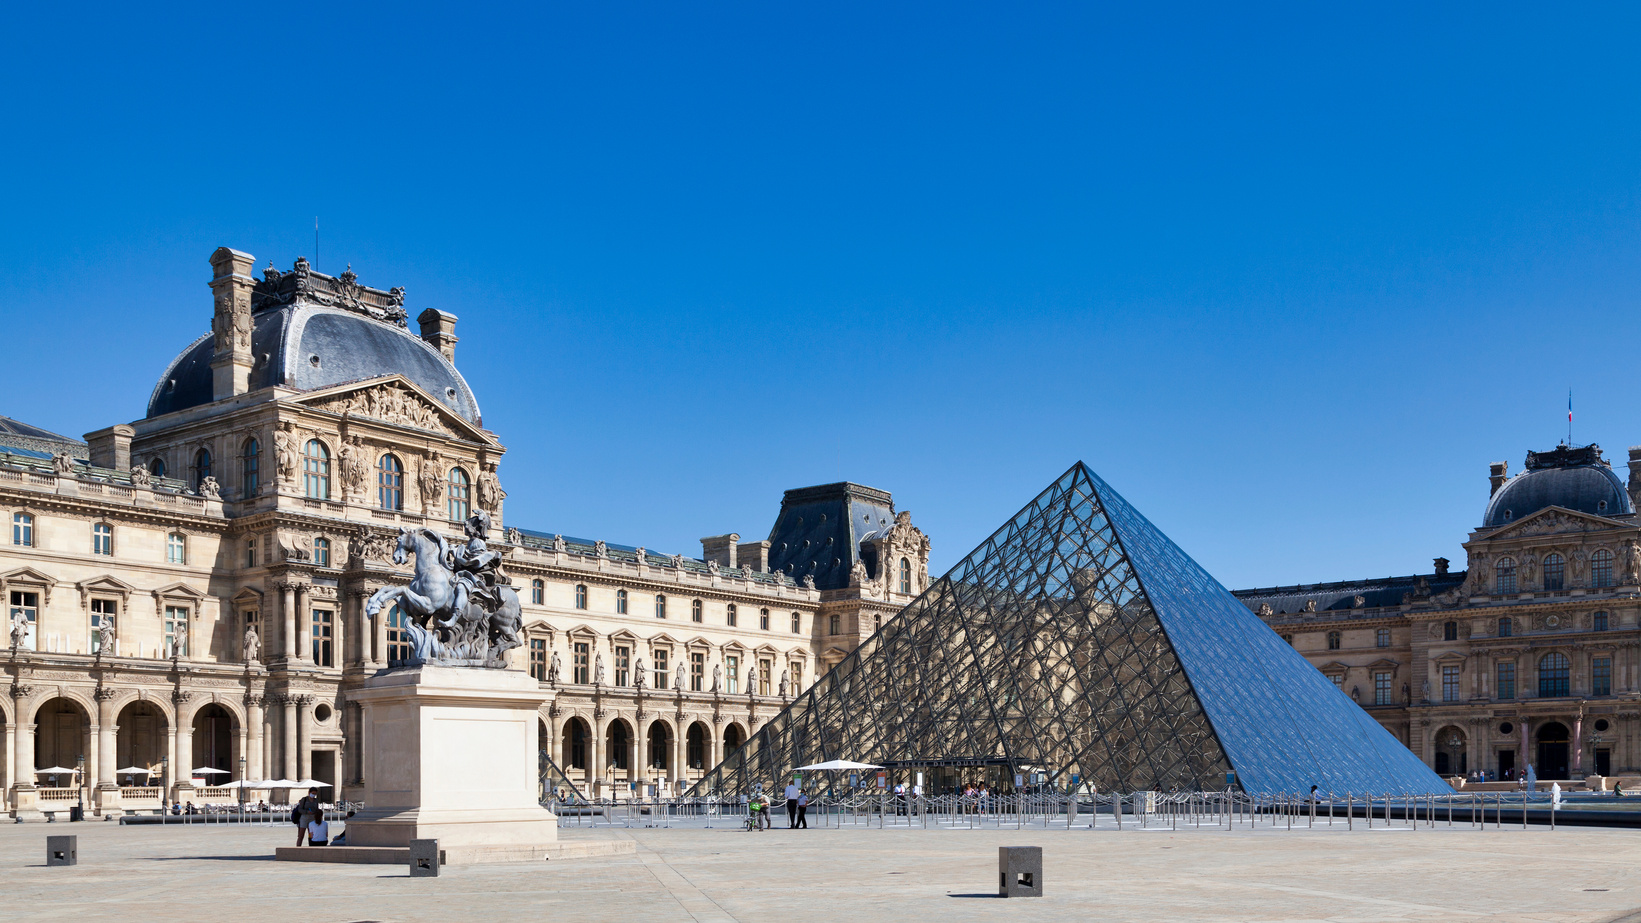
column 1079, row 642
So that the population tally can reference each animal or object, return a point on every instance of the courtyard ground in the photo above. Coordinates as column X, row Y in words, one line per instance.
column 178, row 874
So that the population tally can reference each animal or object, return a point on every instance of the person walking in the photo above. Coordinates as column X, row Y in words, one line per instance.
column 306, row 811
column 792, row 793
column 803, row 808
column 318, row 830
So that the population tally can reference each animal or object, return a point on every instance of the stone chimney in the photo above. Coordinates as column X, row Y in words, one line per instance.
column 753, row 554
column 1442, row 564
column 720, row 548
column 1497, row 474
column 439, row 330
column 111, row 448
column 231, row 358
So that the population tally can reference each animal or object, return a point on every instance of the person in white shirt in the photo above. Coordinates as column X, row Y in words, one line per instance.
column 792, row 792
column 318, row 830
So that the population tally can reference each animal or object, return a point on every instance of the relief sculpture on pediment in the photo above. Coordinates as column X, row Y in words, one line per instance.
column 391, row 403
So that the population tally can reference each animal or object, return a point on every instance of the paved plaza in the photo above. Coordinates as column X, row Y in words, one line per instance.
column 224, row 873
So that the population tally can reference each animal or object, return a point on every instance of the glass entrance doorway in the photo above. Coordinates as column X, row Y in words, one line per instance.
column 1553, row 751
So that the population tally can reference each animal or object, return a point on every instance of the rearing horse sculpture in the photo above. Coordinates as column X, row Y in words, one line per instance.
column 438, row 631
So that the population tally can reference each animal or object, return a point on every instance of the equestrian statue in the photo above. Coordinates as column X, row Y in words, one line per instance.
column 458, row 610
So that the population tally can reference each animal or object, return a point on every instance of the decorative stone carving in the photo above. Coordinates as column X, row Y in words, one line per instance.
column 1358, row 601
column 490, row 492
column 554, row 668
column 366, row 545
column 1630, row 562
column 252, row 646
column 350, row 459
column 63, row 464
column 303, row 286
column 1553, row 522
column 181, row 696
column 809, row 581
column 460, row 611
column 432, row 479
column 746, row 572
column 712, row 568
column 390, row 403
column 598, row 669
column 640, row 557
column 559, row 545
column 600, row 550
column 638, row 672
column 1310, row 605
column 105, row 693
column 678, row 561
column 678, row 678
column 1265, row 610
column 209, row 489
column 285, row 452
column 514, row 536
column 21, row 690
column 140, row 476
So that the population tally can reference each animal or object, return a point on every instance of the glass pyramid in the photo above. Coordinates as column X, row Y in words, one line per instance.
column 1079, row 642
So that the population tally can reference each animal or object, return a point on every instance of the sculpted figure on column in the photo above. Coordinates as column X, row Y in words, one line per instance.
column 717, row 677
column 253, row 644
column 678, row 678
column 554, row 668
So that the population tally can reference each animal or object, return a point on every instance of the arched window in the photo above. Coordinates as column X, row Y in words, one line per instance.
column 157, row 467
column 1450, row 631
column 1552, row 675
column 620, row 602
column 102, row 539
column 877, row 621
column 321, row 552
column 797, row 623
column 538, row 592
column 22, row 529
column 1555, row 571
column 695, row 611
column 581, row 596
column 390, row 483
column 905, row 576
column 461, row 493
column 835, row 625
column 660, row 606
column 1333, row 640
column 176, row 549
column 729, row 618
column 1598, row 622
column 1506, row 627
column 1504, row 577
column 202, row 467
column 1381, row 638
column 763, row 619
column 250, row 468
column 1601, row 568
column 316, row 470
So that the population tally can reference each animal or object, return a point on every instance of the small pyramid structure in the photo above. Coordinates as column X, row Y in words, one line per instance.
column 1079, row 642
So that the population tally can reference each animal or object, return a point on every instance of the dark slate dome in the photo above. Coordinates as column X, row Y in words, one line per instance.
column 1572, row 478
column 309, row 347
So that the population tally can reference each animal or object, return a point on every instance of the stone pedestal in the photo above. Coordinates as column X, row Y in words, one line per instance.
column 450, row 754
column 106, row 800
column 25, row 804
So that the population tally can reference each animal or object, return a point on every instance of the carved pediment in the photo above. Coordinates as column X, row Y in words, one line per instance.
column 106, row 584
column 397, row 400
column 1555, row 519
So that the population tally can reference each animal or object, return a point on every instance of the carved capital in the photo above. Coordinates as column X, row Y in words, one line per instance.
column 181, row 696
column 104, row 693
column 304, row 700
column 21, row 691
column 252, row 700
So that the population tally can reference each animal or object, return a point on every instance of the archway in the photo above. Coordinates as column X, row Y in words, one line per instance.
column 62, row 735
column 618, row 745
column 1451, row 757
column 695, row 743
column 214, row 733
column 1553, row 750
column 577, row 746
column 660, row 747
column 140, row 742
column 733, row 738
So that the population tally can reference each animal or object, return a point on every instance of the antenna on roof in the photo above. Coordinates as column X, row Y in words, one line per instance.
column 316, row 256
column 1569, row 416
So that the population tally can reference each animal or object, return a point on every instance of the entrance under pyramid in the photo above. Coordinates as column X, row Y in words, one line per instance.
column 1078, row 646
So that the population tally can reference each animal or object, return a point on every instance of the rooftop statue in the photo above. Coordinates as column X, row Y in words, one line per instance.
column 461, row 611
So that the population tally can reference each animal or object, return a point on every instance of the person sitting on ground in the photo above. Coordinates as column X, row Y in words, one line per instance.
column 318, row 830
column 1618, row 789
column 176, row 809
column 190, row 809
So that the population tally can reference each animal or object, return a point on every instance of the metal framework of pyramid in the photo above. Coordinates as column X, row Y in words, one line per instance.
column 1078, row 641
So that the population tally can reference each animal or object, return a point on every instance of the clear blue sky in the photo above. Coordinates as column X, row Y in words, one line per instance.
column 1287, row 277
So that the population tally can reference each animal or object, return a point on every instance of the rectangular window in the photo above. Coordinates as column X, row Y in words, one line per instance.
column 1381, row 689
column 102, row 539
column 1555, row 569
column 103, row 612
column 764, row 669
column 797, row 677
column 623, row 664
column 763, row 619
column 660, row 669
column 581, row 655
column 26, row 606
column 22, row 529
column 176, row 631
column 321, row 552
column 1507, row 680
column 176, row 549
column 1338, row 680
column 538, row 659
column 1601, row 676
column 398, row 640
column 797, row 623
column 1450, row 684
column 250, row 552
column 323, row 639
column 732, row 666
column 1381, row 638
column 697, row 672
column 729, row 617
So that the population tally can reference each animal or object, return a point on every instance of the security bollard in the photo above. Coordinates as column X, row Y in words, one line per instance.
column 424, row 858
column 62, row 850
column 1019, row 871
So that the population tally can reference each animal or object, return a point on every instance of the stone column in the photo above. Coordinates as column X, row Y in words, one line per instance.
column 1578, row 746
column 10, row 765
column 1523, row 758
column 636, row 770
column 680, row 749
column 288, row 613
column 595, row 759
column 304, row 737
column 303, row 618
column 106, row 738
column 183, row 760
column 172, row 774
column 288, row 726
column 253, row 747
column 717, row 747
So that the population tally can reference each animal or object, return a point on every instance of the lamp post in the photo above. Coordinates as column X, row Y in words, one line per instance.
column 79, row 792
column 242, row 787
column 165, row 783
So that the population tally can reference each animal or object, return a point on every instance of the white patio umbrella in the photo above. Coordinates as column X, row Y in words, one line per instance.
column 134, row 771
column 840, row 764
column 278, row 783
column 54, row 771
column 312, row 783
column 244, row 783
column 210, row 771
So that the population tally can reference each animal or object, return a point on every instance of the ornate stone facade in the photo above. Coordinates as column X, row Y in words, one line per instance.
column 188, row 591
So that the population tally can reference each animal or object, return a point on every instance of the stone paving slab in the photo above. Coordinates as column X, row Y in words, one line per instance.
column 227, row 873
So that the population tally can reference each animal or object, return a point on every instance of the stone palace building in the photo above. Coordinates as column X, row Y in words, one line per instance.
column 1530, row 656
column 185, row 592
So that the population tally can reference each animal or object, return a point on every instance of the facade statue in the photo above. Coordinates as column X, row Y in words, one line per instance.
column 809, row 581
column 432, row 479
column 460, row 610
column 1310, row 605
column 746, row 572
column 1630, row 555
column 678, row 561
column 253, row 644
column 1356, row 694
column 678, row 678
column 600, row 549
column 351, row 458
column 179, row 640
column 514, row 536
column 1427, row 690
column 598, row 670
column 285, row 453
column 105, row 639
column 1581, row 563
column 209, row 489
column 717, row 677
column 559, row 544
column 490, row 492
column 554, row 669
column 712, row 568
column 638, row 672
column 140, row 476
column 785, row 680
column 640, row 556
column 19, row 630
column 751, row 679
column 1265, row 610
column 63, row 464
column 857, row 573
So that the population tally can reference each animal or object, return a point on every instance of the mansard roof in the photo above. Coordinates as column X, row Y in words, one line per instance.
column 819, row 530
column 1341, row 595
column 21, row 438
